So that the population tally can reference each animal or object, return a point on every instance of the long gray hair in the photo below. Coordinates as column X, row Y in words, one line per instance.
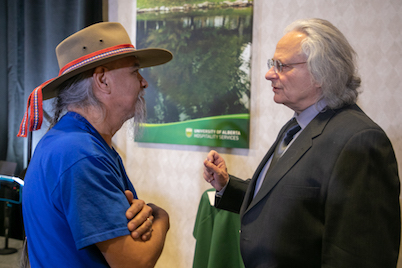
column 75, row 92
column 331, row 61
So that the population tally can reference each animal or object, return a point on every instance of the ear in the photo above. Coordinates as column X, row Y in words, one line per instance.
column 315, row 83
column 100, row 77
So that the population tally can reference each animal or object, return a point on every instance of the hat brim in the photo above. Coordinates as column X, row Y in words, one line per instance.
column 147, row 57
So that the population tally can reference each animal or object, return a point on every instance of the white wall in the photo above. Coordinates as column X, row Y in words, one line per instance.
column 171, row 175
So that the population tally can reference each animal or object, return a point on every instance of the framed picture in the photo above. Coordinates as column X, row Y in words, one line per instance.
column 202, row 96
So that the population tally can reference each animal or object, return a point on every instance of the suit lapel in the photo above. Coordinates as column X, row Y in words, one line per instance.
column 294, row 153
column 250, row 190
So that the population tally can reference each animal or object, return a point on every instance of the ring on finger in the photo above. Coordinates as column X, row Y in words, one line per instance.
column 148, row 219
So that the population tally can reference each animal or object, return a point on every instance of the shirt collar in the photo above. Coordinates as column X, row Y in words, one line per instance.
column 307, row 115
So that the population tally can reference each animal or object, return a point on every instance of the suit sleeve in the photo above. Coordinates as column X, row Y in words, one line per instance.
column 233, row 196
column 362, row 213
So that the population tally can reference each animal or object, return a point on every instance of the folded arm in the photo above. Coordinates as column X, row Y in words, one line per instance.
column 124, row 251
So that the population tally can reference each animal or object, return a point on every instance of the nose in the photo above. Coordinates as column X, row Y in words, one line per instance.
column 144, row 83
column 271, row 74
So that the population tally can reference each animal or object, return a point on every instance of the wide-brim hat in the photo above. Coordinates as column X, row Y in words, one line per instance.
column 86, row 49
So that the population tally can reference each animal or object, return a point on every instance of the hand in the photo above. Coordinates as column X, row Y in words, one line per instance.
column 215, row 171
column 160, row 215
column 141, row 218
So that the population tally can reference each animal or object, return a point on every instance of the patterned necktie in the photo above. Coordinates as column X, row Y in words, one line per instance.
column 292, row 129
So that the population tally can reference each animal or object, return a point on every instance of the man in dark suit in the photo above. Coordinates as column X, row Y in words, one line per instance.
column 329, row 197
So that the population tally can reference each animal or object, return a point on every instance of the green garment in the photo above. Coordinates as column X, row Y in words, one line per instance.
column 217, row 237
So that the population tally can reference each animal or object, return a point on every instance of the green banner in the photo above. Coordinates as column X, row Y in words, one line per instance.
column 202, row 96
column 218, row 131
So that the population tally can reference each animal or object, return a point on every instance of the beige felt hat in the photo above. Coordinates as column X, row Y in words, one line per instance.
column 86, row 49
column 95, row 45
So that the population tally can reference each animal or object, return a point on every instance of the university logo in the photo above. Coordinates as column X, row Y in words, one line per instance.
column 189, row 132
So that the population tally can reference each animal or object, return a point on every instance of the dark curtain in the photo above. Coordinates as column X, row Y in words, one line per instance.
column 29, row 33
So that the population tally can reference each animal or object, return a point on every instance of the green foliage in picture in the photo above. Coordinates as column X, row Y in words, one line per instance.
column 209, row 76
column 172, row 3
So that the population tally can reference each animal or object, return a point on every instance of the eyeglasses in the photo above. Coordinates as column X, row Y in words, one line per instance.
column 279, row 65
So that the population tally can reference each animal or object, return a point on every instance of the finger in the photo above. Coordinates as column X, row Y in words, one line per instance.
column 210, row 156
column 136, row 206
column 151, row 219
column 207, row 176
column 143, row 229
column 211, row 168
column 129, row 196
column 147, row 236
column 138, row 221
column 209, row 180
column 208, row 164
column 215, row 156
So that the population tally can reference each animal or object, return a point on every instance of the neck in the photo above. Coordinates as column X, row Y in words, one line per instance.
column 100, row 120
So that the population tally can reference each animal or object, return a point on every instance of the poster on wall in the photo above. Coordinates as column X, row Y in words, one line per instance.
column 202, row 96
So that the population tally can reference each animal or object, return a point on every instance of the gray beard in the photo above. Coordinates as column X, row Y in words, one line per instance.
column 140, row 114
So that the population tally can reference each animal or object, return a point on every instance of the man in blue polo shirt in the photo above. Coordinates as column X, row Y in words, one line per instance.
column 77, row 194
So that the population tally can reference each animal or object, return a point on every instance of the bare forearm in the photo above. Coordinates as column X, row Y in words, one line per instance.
column 128, row 252
column 151, row 250
column 156, row 243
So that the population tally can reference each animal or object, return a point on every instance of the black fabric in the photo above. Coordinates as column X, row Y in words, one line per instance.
column 29, row 33
column 235, row 197
column 290, row 133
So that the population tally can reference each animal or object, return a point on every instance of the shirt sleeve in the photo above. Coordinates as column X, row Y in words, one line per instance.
column 232, row 198
column 91, row 197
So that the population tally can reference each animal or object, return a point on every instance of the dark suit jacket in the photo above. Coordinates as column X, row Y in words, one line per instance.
column 332, row 200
